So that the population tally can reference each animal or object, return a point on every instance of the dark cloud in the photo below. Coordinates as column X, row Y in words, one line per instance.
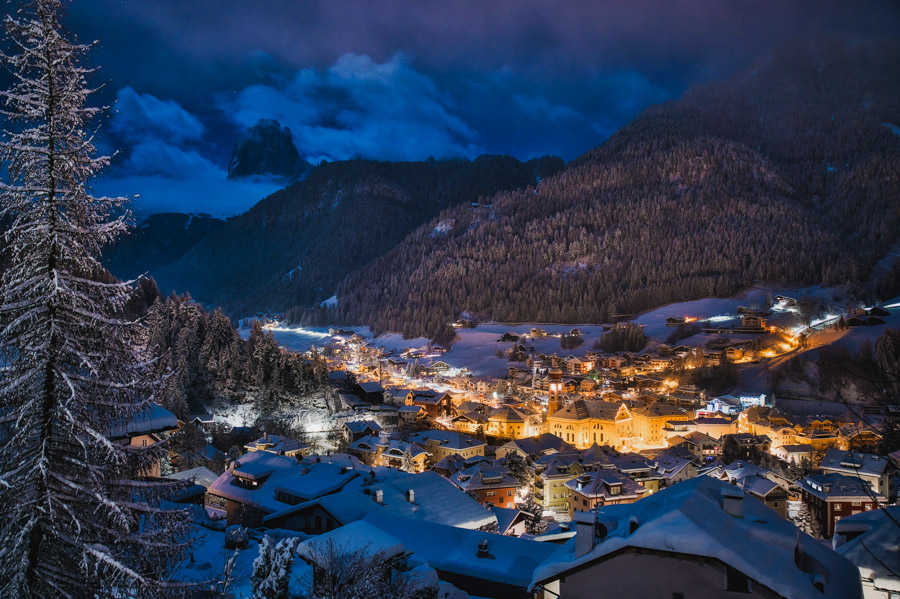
column 389, row 79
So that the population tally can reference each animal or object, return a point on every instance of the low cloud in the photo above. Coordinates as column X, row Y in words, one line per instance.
column 360, row 108
column 138, row 116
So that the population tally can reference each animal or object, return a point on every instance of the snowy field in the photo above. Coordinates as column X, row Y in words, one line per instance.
column 476, row 348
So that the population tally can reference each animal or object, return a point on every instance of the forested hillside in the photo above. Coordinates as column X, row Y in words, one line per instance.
column 788, row 172
column 294, row 246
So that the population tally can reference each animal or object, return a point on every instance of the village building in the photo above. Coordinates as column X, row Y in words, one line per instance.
column 260, row 483
column 441, row 444
column 423, row 497
column 795, row 454
column 509, row 422
column 145, row 429
column 700, row 445
column 551, row 473
column 869, row 541
column 392, row 453
column 356, row 429
column 594, row 489
column 534, row 447
column 279, row 445
column 699, row 538
column 832, row 496
column 874, row 469
column 489, row 483
column 435, row 403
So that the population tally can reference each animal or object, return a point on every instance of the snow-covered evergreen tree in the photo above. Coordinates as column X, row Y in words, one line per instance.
column 272, row 568
column 77, row 519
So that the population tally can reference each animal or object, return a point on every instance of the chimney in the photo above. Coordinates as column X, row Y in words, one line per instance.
column 733, row 502
column 379, row 496
column 584, row 533
column 483, row 548
column 411, row 495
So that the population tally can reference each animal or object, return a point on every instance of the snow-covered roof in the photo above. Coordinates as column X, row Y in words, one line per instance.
column 852, row 462
column 361, row 426
column 307, row 479
column 371, row 387
column 688, row 519
column 875, row 550
column 506, row 517
column 540, row 444
column 484, row 476
column 757, row 485
column 435, row 499
column 392, row 447
column 152, row 419
column 450, row 439
column 508, row 560
column 200, row 475
column 833, row 486
column 359, row 536
column 605, row 484
column 275, row 444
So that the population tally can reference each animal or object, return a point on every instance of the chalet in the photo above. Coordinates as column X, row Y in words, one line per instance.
column 832, row 496
column 392, row 453
column 488, row 483
column 425, row 497
column 144, row 429
column 765, row 490
column 434, row 403
column 795, row 454
column 279, row 445
column 874, row 469
column 592, row 490
column 674, row 467
column 699, row 538
column 534, row 447
column 261, row 483
column 441, row 444
column 370, row 391
column 702, row 446
column 356, row 429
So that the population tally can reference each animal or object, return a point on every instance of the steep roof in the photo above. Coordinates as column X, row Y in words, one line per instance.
column 688, row 518
column 508, row 560
column 305, row 479
column 581, row 409
column 153, row 419
column 833, row 486
column 484, row 476
column 540, row 444
column 874, row 551
column 451, row 439
column 852, row 462
column 435, row 499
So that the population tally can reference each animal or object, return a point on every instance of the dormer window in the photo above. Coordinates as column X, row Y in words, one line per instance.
column 614, row 488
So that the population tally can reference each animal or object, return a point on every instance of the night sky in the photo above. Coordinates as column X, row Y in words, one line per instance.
column 407, row 80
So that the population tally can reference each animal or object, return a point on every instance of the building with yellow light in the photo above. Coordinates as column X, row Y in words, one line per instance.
column 586, row 422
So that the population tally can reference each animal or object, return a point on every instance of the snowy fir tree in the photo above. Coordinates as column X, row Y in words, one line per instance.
column 78, row 519
column 272, row 568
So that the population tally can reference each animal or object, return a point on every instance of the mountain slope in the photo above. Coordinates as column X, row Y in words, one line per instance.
column 158, row 240
column 784, row 173
column 294, row 246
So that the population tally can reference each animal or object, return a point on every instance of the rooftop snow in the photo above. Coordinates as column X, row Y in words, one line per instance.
column 688, row 518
